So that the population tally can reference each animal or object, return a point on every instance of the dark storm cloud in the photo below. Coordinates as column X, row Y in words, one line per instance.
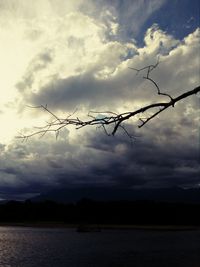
column 22, row 193
column 84, row 90
column 100, row 160
column 9, row 170
column 149, row 161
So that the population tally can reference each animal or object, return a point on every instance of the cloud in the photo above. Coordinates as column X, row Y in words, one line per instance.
column 129, row 15
column 109, row 81
column 81, row 59
column 160, row 157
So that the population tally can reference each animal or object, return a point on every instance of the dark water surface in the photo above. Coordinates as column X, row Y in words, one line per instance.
column 31, row 247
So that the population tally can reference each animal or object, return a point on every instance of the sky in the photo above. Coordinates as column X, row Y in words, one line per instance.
column 76, row 55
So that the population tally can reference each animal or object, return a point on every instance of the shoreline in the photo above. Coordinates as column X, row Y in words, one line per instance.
column 61, row 225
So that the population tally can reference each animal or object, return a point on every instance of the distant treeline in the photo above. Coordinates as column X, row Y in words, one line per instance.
column 96, row 212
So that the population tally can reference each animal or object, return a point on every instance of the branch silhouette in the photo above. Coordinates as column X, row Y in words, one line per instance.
column 109, row 118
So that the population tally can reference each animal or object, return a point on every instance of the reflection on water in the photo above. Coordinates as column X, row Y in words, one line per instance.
column 31, row 247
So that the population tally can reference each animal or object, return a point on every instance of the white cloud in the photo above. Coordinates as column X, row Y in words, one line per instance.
column 158, row 42
column 109, row 81
column 131, row 15
column 69, row 34
column 74, row 59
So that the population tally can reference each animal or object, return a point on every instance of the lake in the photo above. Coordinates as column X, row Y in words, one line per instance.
column 43, row 247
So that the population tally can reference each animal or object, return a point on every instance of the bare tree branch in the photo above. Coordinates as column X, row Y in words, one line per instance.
column 109, row 118
column 149, row 69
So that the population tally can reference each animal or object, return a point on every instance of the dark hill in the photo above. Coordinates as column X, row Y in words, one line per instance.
column 66, row 195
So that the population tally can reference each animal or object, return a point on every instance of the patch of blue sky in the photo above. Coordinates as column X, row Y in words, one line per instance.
column 177, row 17
column 100, row 116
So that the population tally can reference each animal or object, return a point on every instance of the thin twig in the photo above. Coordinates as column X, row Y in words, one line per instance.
column 109, row 117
